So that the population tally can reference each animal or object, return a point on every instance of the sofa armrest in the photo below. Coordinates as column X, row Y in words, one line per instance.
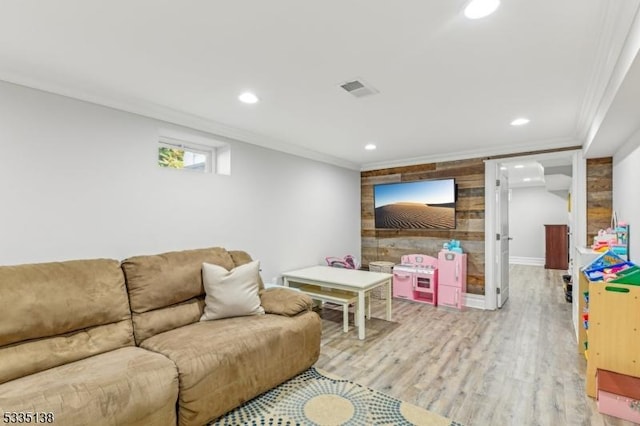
column 285, row 301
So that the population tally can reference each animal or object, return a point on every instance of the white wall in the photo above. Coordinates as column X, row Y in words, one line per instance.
column 626, row 199
column 79, row 180
column 529, row 210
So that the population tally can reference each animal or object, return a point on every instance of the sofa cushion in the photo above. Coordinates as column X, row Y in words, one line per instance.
column 285, row 301
column 240, row 258
column 231, row 293
column 165, row 279
column 54, row 313
column 166, row 290
column 157, row 321
column 37, row 355
column 129, row 386
column 223, row 363
column 47, row 299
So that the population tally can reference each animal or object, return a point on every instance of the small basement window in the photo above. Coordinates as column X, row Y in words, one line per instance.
column 184, row 155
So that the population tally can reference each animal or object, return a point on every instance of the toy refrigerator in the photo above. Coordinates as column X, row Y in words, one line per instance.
column 452, row 278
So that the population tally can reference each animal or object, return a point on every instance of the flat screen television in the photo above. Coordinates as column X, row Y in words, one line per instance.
column 424, row 204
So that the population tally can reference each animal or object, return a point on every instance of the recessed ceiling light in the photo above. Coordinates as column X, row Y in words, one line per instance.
column 248, row 98
column 518, row 166
column 370, row 147
column 520, row 121
column 477, row 9
column 503, row 167
column 526, row 180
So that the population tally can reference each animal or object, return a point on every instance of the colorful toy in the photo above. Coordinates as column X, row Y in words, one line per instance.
column 347, row 262
column 453, row 245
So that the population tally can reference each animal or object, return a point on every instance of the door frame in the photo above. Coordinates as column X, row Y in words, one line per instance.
column 502, row 199
column 578, row 215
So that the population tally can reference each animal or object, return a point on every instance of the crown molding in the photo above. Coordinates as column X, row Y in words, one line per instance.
column 169, row 115
column 529, row 147
column 615, row 45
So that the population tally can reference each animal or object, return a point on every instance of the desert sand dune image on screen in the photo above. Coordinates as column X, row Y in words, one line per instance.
column 415, row 216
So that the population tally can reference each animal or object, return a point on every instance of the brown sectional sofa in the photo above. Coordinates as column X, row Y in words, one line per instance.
column 104, row 342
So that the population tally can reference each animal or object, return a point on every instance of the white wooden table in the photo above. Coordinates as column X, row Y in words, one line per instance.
column 353, row 280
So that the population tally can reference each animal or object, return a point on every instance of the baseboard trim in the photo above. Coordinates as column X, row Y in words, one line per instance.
column 521, row 260
column 475, row 301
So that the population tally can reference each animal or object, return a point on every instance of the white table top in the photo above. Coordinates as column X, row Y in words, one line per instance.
column 341, row 276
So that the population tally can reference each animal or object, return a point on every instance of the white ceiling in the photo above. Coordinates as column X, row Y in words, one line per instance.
column 448, row 86
column 524, row 173
column 553, row 173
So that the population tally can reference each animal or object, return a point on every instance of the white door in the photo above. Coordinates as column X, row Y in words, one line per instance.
column 502, row 237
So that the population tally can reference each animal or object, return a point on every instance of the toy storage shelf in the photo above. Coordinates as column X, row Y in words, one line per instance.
column 583, row 308
column 584, row 256
column 614, row 330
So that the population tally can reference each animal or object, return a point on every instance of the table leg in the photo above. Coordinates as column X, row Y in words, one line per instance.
column 388, row 289
column 345, row 317
column 360, row 312
column 285, row 281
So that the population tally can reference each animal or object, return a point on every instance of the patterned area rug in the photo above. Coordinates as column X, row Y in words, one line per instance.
column 315, row 398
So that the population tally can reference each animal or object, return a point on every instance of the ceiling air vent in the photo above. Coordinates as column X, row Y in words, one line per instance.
column 359, row 88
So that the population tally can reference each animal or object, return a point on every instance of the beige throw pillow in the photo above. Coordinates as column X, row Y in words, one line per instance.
column 231, row 293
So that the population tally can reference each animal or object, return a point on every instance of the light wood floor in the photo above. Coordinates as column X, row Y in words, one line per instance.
column 515, row 366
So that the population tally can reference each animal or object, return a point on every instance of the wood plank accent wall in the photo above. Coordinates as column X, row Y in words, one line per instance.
column 390, row 244
column 599, row 195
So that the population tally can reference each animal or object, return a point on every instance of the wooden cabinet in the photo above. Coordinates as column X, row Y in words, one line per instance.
column 556, row 247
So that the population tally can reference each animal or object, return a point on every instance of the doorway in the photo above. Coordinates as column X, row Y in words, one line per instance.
column 557, row 178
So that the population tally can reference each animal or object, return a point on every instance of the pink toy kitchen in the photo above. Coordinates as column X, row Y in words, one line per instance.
column 435, row 281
